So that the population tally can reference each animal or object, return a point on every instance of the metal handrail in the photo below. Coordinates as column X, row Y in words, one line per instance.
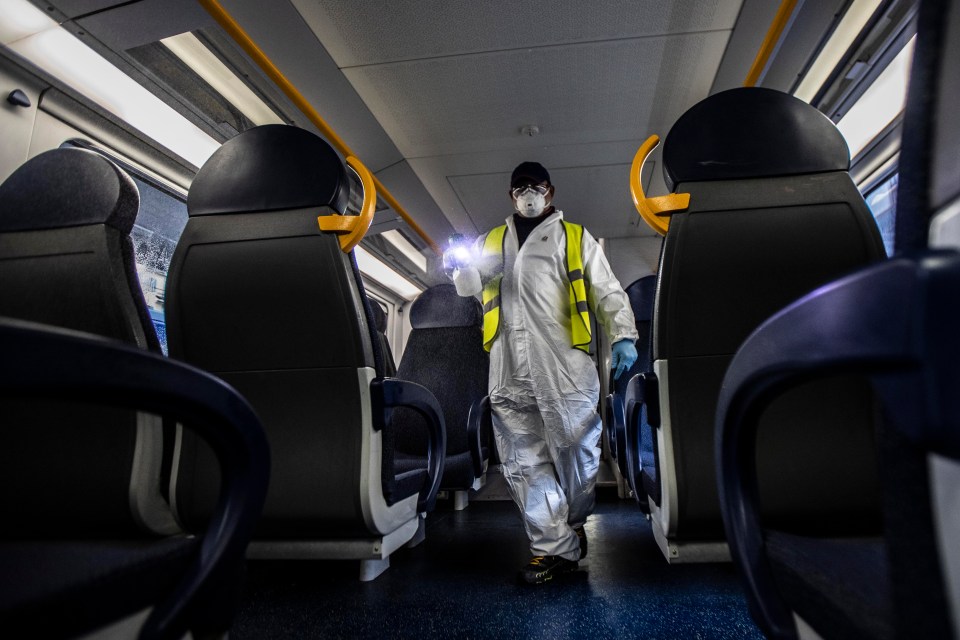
column 780, row 21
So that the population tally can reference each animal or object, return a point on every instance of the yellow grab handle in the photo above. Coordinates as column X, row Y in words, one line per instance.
column 654, row 211
column 353, row 228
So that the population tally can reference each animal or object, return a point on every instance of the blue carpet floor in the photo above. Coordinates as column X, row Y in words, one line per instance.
column 462, row 583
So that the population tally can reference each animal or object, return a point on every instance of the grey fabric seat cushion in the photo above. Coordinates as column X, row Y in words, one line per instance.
column 457, row 469
column 842, row 583
column 57, row 588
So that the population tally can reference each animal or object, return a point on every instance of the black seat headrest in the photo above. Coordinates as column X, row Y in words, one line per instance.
column 270, row 168
column 68, row 188
column 641, row 293
column 440, row 306
column 379, row 317
column 751, row 132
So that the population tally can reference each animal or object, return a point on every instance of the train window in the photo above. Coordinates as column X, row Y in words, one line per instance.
column 871, row 126
column 162, row 218
column 863, row 89
column 160, row 221
column 882, row 200
column 879, row 105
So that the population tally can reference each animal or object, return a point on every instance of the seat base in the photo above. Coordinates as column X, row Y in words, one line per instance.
column 421, row 533
column 371, row 569
column 690, row 551
column 374, row 548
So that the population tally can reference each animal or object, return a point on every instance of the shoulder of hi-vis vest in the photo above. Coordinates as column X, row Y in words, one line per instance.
column 579, row 310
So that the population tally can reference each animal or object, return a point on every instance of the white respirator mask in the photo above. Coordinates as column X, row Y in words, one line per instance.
column 530, row 204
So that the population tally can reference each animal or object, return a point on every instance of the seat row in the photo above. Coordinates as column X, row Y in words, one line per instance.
column 774, row 215
column 800, row 413
column 274, row 420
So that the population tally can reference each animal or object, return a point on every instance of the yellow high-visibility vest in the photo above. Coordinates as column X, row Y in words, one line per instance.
column 579, row 310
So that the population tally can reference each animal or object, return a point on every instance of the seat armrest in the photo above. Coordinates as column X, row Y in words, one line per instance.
column 46, row 362
column 641, row 405
column 616, row 430
column 894, row 322
column 479, row 421
column 389, row 393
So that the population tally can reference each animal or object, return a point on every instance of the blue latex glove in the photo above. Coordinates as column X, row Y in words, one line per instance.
column 624, row 354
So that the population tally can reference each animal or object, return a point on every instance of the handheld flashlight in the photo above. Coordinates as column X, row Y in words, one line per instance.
column 457, row 254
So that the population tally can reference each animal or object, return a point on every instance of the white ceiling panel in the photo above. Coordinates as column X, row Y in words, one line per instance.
column 438, row 174
column 369, row 32
column 453, row 84
column 472, row 103
column 594, row 92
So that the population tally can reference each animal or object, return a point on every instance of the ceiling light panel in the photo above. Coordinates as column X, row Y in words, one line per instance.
column 205, row 64
column 63, row 56
column 385, row 275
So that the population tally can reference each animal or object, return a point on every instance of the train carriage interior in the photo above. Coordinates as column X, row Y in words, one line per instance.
column 240, row 395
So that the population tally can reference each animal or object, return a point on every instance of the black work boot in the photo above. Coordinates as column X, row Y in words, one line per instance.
column 540, row 569
column 582, row 535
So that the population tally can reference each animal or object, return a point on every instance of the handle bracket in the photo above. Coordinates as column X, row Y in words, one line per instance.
column 654, row 211
column 351, row 229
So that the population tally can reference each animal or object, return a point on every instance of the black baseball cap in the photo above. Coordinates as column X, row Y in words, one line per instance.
column 529, row 173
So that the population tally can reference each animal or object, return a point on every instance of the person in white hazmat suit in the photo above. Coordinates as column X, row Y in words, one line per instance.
column 539, row 274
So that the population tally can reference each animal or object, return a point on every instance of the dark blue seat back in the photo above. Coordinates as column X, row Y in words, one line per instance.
column 445, row 354
column 380, row 324
column 641, row 294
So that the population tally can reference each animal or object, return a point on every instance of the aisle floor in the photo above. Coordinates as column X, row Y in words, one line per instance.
column 461, row 582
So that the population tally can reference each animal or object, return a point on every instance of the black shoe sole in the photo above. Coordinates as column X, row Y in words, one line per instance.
column 547, row 576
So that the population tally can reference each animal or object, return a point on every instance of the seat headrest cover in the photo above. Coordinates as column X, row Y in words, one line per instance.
column 641, row 293
column 270, row 168
column 68, row 187
column 751, row 132
column 379, row 317
column 440, row 306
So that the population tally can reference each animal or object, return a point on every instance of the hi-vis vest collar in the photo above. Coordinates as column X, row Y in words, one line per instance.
column 579, row 310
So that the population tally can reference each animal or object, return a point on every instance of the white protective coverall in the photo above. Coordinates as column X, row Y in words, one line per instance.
column 543, row 391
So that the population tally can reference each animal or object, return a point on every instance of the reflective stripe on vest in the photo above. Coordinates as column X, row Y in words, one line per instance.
column 579, row 310
column 492, row 246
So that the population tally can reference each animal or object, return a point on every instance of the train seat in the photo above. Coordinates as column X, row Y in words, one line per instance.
column 80, row 575
column 259, row 295
column 773, row 214
column 87, row 539
column 380, row 322
column 895, row 324
column 445, row 354
column 641, row 293
column 889, row 584
column 68, row 261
